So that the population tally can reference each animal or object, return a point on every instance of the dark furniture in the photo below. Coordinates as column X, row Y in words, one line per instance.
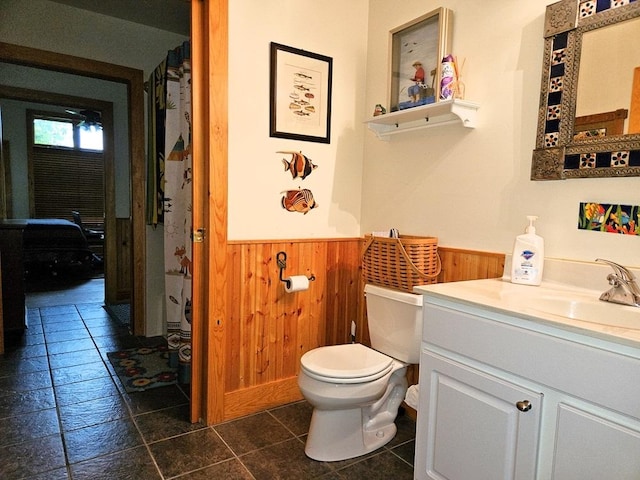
column 54, row 246
column 94, row 235
column 13, row 310
column 31, row 249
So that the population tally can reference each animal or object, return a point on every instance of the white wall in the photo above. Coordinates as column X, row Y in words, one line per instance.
column 471, row 188
column 333, row 28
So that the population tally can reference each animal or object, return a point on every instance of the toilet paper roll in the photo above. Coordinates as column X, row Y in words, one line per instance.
column 412, row 397
column 296, row 283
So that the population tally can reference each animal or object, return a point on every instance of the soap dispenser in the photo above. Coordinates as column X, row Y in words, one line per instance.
column 527, row 262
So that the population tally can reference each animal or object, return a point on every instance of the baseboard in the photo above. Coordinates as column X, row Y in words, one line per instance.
column 261, row 397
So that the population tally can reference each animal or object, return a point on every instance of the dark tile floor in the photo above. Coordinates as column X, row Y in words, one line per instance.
column 64, row 415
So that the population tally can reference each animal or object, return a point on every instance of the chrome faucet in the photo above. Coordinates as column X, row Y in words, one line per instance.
column 624, row 289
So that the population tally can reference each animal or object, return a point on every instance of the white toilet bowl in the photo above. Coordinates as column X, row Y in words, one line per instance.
column 355, row 392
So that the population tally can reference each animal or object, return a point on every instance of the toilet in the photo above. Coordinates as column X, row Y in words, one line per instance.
column 355, row 390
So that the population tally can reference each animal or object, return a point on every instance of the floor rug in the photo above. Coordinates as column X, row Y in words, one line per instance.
column 143, row 368
column 120, row 312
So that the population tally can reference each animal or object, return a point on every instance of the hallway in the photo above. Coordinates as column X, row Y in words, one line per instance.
column 64, row 414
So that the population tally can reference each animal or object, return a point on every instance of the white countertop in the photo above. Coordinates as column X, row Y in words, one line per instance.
column 527, row 302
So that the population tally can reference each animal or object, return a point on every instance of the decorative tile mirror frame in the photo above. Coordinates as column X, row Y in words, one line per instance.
column 562, row 152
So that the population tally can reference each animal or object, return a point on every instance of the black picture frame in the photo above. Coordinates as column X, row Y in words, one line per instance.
column 300, row 89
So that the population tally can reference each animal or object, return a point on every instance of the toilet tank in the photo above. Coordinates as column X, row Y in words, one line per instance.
column 395, row 322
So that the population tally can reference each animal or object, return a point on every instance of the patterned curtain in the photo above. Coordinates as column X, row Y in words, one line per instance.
column 169, row 194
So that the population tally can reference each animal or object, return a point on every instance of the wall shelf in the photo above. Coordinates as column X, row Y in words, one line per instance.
column 427, row 116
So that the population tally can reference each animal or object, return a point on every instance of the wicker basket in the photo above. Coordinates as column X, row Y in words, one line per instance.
column 400, row 263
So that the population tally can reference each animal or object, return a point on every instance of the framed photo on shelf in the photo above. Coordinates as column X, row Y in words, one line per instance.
column 417, row 50
column 300, row 87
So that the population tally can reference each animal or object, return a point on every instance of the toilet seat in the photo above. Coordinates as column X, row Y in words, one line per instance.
column 349, row 363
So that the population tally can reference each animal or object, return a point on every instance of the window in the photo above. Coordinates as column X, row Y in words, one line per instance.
column 79, row 132
column 55, row 133
column 66, row 165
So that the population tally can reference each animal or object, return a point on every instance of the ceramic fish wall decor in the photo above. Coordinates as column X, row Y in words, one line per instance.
column 300, row 200
column 300, row 165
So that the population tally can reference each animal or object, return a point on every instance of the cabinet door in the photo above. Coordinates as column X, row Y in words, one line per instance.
column 590, row 445
column 472, row 425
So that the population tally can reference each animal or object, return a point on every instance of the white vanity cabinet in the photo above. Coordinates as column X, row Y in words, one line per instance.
column 503, row 396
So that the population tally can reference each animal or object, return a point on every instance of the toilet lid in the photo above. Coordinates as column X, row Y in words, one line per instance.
column 346, row 363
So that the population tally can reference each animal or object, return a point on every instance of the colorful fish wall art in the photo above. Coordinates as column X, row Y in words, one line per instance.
column 300, row 200
column 300, row 167
column 609, row 218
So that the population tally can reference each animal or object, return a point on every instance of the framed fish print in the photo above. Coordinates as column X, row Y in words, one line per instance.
column 417, row 50
column 300, row 94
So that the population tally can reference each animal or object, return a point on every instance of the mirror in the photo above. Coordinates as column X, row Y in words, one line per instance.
column 589, row 115
column 595, row 97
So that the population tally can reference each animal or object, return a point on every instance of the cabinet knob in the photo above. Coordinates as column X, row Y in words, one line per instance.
column 524, row 405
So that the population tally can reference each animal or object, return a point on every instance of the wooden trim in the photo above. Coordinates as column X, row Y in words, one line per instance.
column 133, row 79
column 60, row 62
column 218, row 16
column 611, row 122
column 634, row 115
column 297, row 240
column 210, row 45
column 138, row 197
column 200, row 156
column 460, row 264
column 254, row 399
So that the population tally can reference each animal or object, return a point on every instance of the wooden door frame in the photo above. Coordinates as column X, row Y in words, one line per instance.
column 209, row 80
column 133, row 79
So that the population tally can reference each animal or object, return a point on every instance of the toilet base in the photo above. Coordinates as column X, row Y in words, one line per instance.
column 339, row 434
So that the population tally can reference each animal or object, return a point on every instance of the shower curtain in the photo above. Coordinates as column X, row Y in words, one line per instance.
column 169, row 195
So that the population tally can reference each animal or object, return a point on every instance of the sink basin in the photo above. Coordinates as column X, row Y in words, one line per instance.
column 574, row 304
column 593, row 311
column 568, row 298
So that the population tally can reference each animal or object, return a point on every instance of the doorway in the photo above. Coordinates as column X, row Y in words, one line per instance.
column 133, row 80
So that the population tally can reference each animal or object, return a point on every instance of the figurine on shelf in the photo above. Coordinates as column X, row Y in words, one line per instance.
column 379, row 110
column 418, row 78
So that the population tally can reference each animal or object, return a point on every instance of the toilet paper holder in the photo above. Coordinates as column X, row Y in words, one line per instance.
column 281, row 260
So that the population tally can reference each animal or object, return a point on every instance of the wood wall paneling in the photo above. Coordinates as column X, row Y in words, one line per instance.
column 268, row 330
column 459, row 264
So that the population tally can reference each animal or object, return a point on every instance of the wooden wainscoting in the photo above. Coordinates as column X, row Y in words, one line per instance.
column 268, row 330
column 458, row 265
